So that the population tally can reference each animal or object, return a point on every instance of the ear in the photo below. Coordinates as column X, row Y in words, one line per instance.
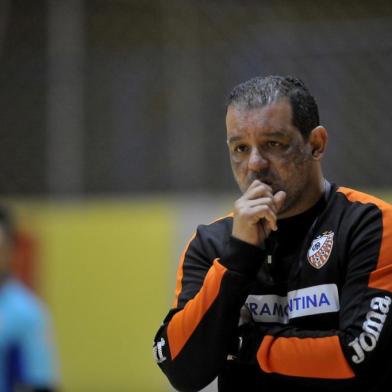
column 318, row 139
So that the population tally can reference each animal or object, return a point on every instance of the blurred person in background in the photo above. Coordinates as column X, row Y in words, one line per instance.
column 294, row 288
column 27, row 359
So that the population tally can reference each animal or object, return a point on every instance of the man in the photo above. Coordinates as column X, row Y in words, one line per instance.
column 26, row 350
column 293, row 289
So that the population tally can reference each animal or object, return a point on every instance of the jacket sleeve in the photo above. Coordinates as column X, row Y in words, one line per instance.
column 196, row 336
column 355, row 350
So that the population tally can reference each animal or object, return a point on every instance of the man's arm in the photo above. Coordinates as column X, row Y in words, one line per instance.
column 198, row 333
column 193, row 343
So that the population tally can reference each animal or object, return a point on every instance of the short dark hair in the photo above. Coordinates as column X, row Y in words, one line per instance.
column 7, row 223
column 262, row 91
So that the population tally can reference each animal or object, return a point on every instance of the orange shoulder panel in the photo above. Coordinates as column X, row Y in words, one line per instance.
column 180, row 271
column 381, row 277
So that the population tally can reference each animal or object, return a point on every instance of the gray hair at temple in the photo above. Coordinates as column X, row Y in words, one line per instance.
column 262, row 91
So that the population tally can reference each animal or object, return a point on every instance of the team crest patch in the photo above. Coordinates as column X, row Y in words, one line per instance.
column 320, row 250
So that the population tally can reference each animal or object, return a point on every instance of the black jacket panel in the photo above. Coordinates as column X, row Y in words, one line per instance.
column 308, row 309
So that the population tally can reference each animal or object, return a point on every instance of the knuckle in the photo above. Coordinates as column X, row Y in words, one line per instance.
column 271, row 203
column 262, row 209
column 238, row 203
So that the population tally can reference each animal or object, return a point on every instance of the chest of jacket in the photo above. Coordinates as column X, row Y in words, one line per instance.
column 300, row 285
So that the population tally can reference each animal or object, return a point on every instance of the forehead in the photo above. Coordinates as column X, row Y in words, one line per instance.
column 276, row 117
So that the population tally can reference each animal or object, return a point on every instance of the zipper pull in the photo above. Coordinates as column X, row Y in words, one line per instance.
column 269, row 259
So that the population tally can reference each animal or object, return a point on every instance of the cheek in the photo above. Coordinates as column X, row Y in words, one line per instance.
column 239, row 174
column 296, row 157
column 237, row 166
column 293, row 167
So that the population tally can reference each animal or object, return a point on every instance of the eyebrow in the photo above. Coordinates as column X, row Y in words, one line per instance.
column 234, row 139
column 268, row 134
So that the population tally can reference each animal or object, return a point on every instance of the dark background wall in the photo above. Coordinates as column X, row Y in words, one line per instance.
column 121, row 97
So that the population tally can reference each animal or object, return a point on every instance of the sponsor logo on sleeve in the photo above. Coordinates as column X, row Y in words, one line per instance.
column 320, row 249
column 157, row 351
column 298, row 303
column 371, row 328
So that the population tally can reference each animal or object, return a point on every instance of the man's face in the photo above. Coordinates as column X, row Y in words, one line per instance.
column 265, row 145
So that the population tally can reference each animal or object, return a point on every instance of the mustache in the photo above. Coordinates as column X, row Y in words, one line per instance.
column 264, row 177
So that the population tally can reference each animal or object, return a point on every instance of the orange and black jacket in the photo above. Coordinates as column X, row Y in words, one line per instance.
column 309, row 309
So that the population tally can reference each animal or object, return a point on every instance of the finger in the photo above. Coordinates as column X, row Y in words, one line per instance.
column 254, row 184
column 244, row 204
column 268, row 201
column 279, row 199
column 264, row 212
column 257, row 183
column 258, row 190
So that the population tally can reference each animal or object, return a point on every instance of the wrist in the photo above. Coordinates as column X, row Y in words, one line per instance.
column 242, row 257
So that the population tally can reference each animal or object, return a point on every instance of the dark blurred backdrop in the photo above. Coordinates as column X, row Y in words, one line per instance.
column 120, row 97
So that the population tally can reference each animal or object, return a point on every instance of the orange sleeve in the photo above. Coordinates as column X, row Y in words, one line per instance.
column 183, row 323
column 304, row 357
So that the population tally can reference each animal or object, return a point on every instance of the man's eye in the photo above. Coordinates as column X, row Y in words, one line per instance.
column 241, row 148
column 273, row 144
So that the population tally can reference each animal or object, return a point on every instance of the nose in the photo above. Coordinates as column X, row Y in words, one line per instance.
column 256, row 161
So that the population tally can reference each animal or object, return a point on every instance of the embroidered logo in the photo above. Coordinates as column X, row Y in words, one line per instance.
column 320, row 250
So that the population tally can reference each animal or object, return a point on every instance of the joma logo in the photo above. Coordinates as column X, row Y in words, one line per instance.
column 371, row 327
column 157, row 351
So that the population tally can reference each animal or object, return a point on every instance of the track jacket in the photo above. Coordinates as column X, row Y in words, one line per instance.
column 310, row 309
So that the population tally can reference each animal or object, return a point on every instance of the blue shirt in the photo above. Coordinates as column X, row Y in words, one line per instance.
column 26, row 346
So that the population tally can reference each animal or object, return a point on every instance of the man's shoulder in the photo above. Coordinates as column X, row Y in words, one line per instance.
column 356, row 196
column 212, row 236
column 221, row 224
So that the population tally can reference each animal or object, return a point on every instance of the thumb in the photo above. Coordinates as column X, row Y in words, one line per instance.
column 279, row 198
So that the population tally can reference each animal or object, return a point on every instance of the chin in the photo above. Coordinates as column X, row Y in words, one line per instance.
column 284, row 213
